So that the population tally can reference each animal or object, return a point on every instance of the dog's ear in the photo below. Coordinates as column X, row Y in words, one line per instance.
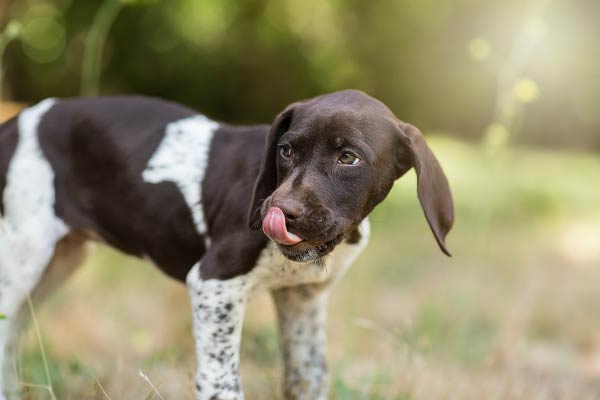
column 432, row 185
column 266, row 182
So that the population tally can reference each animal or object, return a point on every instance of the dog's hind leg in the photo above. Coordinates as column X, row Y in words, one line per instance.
column 15, row 288
column 29, row 233
column 69, row 254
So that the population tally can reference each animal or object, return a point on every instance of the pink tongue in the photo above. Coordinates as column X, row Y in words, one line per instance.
column 274, row 227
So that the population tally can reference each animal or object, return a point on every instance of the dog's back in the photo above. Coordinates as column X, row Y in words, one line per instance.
column 100, row 150
column 129, row 171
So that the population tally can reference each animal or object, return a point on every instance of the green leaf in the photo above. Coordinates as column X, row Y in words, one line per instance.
column 2, row 316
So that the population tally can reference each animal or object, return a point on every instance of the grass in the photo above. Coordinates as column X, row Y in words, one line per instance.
column 515, row 314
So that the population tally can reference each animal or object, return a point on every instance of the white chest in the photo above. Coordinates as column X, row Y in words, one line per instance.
column 274, row 271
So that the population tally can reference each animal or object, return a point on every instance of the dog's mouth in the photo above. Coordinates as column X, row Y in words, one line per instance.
column 306, row 251
column 292, row 246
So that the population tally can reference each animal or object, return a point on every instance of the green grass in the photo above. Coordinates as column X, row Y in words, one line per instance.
column 513, row 315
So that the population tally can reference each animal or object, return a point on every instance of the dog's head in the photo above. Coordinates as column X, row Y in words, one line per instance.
column 328, row 162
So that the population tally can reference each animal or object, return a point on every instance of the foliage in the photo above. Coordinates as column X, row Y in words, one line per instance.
column 512, row 70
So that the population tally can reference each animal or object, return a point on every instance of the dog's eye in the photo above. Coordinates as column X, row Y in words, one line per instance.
column 348, row 158
column 285, row 150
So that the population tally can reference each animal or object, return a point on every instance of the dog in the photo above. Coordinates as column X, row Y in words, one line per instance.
column 226, row 209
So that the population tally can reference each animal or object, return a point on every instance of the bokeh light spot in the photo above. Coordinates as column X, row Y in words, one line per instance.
column 479, row 48
column 13, row 29
column 526, row 90
column 536, row 28
column 43, row 38
column 496, row 135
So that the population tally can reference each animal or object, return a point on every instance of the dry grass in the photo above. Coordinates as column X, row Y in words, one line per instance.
column 514, row 315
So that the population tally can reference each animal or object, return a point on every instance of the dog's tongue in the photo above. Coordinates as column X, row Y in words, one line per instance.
column 274, row 227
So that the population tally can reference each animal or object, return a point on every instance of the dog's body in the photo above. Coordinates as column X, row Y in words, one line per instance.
column 157, row 180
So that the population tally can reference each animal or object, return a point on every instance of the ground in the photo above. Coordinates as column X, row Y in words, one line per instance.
column 514, row 314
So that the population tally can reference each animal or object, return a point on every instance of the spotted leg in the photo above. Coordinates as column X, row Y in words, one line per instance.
column 218, row 314
column 302, row 314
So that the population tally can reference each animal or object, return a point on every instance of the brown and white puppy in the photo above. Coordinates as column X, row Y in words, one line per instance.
column 157, row 180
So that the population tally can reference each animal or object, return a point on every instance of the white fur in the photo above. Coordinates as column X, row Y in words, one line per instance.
column 305, row 308
column 273, row 270
column 302, row 314
column 30, row 230
column 181, row 158
column 218, row 315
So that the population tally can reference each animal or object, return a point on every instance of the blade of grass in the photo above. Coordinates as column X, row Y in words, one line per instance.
column 94, row 43
column 11, row 32
column 144, row 377
column 99, row 384
column 38, row 335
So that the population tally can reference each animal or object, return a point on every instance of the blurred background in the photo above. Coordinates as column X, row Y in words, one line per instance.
column 507, row 93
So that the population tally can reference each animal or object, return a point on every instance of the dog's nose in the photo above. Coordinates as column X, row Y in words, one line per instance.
column 291, row 209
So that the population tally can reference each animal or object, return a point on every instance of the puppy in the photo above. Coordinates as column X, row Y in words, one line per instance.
column 226, row 209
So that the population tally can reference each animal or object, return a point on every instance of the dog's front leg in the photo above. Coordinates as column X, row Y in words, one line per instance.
column 302, row 313
column 218, row 313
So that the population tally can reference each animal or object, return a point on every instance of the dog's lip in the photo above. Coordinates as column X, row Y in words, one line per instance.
column 306, row 244
column 317, row 251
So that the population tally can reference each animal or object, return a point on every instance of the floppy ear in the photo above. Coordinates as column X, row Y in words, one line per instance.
column 432, row 185
column 266, row 182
